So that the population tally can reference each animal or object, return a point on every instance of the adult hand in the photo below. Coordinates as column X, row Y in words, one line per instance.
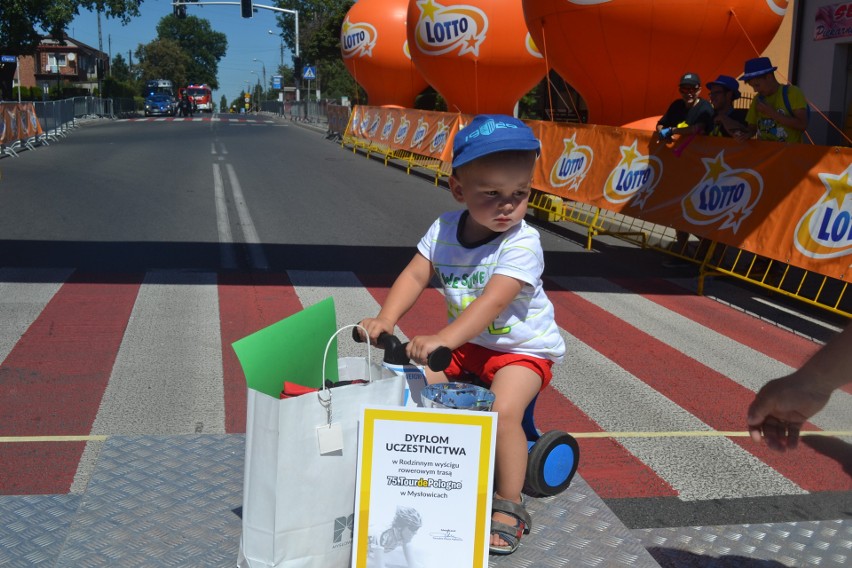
column 781, row 407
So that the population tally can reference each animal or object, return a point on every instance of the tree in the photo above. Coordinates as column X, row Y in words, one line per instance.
column 337, row 82
column 119, row 69
column 23, row 22
column 319, row 40
column 113, row 88
column 197, row 39
column 319, row 27
column 163, row 59
column 223, row 104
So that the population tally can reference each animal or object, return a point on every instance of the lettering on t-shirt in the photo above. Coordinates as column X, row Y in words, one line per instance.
column 468, row 281
column 475, row 280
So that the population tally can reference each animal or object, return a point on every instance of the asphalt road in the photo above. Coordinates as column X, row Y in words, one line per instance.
column 160, row 219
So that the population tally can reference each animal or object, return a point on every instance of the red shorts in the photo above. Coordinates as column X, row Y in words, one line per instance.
column 484, row 363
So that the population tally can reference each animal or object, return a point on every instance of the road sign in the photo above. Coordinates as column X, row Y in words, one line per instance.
column 8, row 58
column 309, row 73
column 276, row 81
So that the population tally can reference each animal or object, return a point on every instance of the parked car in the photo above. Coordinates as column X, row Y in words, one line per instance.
column 159, row 105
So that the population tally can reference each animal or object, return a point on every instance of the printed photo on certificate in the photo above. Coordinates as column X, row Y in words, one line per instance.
column 424, row 488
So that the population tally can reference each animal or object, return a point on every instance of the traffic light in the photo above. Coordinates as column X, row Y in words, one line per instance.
column 179, row 11
column 246, row 8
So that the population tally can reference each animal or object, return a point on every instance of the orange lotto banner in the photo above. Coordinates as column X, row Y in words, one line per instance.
column 19, row 122
column 420, row 132
column 790, row 202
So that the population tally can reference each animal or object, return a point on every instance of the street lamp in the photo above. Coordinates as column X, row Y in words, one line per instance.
column 258, row 91
column 296, row 54
column 281, row 64
column 264, row 70
column 264, row 73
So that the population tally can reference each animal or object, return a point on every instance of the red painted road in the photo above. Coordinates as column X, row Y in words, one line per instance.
column 197, row 119
column 711, row 397
column 55, row 376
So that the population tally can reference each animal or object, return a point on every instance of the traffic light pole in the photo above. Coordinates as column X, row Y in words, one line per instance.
column 180, row 7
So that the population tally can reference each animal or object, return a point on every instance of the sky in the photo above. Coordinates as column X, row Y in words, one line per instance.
column 247, row 39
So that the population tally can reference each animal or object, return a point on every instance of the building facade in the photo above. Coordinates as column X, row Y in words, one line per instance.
column 821, row 64
column 69, row 62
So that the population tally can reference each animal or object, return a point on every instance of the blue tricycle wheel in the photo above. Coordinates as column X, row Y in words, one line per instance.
column 552, row 464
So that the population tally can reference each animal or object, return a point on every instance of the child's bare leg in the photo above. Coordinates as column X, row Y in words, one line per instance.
column 514, row 387
column 433, row 377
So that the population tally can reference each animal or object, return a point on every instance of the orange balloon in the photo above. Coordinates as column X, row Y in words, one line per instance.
column 476, row 53
column 375, row 51
column 625, row 57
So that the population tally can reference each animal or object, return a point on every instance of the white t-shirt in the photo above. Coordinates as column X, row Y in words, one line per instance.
column 527, row 325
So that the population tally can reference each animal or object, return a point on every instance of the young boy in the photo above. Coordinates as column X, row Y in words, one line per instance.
column 501, row 324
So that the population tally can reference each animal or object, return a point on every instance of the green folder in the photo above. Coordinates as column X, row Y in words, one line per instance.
column 290, row 350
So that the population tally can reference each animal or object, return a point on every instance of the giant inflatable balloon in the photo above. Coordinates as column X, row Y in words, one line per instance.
column 375, row 51
column 476, row 53
column 625, row 57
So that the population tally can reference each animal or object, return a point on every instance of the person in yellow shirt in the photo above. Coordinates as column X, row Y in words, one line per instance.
column 778, row 112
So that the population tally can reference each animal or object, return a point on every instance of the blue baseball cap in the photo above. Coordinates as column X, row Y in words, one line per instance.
column 490, row 133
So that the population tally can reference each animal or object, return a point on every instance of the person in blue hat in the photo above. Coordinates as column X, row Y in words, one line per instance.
column 502, row 326
column 727, row 120
column 778, row 112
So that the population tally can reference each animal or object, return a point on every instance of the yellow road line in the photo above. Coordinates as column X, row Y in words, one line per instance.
column 7, row 439
column 578, row 435
column 696, row 434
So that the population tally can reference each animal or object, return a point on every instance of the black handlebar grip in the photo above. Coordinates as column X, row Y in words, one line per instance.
column 394, row 349
column 439, row 359
column 356, row 335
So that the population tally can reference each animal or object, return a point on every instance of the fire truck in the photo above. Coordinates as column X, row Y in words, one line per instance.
column 201, row 95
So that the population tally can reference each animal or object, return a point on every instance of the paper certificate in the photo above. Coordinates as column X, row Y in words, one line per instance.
column 424, row 488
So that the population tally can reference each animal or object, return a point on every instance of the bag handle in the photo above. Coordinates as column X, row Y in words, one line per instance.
column 324, row 390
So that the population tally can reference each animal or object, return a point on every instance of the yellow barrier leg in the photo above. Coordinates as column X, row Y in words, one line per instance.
column 590, row 234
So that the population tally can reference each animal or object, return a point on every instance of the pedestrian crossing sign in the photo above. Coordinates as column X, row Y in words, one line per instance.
column 309, row 73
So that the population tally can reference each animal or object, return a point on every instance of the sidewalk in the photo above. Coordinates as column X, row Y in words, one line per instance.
column 176, row 501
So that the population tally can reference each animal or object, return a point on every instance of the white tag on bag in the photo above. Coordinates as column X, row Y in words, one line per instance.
column 330, row 438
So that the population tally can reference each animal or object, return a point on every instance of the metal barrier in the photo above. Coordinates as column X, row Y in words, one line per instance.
column 306, row 111
column 126, row 107
column 410, row 159
column 57, row 118
column 338, row 117
column 712, row 258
